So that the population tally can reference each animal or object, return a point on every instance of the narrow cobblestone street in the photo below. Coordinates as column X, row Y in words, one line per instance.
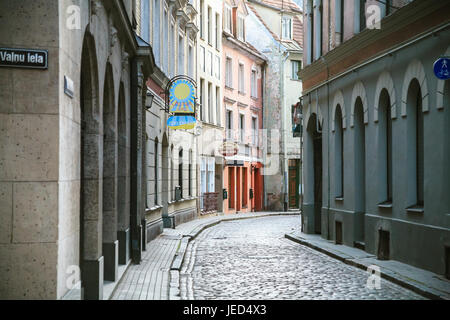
column 251, row 259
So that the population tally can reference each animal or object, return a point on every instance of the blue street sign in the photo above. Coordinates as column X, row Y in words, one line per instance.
column 442, row 68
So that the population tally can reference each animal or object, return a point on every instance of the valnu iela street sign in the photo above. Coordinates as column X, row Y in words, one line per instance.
column 181, row 93
column 24, row 58
column 441, row 68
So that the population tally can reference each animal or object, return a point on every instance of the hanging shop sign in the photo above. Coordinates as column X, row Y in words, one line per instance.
column 24, row 58
column 229, row 149
column 181, row 102
column 441, row 68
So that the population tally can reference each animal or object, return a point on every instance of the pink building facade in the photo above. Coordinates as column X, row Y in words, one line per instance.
column 243, row 81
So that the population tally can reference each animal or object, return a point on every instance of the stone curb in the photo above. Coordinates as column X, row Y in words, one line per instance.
column 390, row 276
column 175, row 268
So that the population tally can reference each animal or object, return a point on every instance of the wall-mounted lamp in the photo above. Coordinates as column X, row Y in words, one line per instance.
column 150, row 97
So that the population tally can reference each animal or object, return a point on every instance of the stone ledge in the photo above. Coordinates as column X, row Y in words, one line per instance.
column 423, row 282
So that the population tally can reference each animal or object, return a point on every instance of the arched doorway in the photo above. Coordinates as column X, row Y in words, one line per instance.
column 360, row 171
column 123, row 180
column 91, row 259
column 109, row 222
column 313, row 188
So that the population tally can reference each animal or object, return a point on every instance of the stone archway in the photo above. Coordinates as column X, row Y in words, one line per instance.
column 415, row 71
column 385, row 82
column 109, row 222
column 313, row 176
column 359, row 91
column 91, row 259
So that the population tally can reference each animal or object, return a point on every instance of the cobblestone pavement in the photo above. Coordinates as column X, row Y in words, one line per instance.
column 251, row 259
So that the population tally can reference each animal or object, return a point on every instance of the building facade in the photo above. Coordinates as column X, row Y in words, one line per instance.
column 70, row 159
column 171, row 162
column 210, row 122
column 243, row 69
column 376, row 127
column 280, row 39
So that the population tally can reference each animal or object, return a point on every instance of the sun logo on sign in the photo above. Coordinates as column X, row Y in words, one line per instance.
column 182, row 97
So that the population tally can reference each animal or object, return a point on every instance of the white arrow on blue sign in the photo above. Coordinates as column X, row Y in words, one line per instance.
column 442, row 68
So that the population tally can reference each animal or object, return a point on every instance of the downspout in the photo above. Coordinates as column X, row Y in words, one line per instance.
column 263, row 87
column 284, row 137
column 328, row 143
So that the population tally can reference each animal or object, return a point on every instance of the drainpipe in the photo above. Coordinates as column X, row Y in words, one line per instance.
column 283, row 128
column 328, row 144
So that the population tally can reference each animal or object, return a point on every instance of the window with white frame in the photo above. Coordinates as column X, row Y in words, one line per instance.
column 254, row 131
column 210, row 63
column 191, row 61
column 254, row 84
column 229, row 124
column 202, row 19
column 241, row 28
column 218, row 37
column 218, row 109
column 296, row 67
column 241, row 78
column 202, row 59
column 217, row 68
column 241, row 127
column 209, row 25
column 286, row 28
column 210, row 111
column 229, row 73
column 227, row 19
column 180, row 54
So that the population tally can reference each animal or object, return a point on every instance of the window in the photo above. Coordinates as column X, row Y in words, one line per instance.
column 286, row 28
column 241, row 127
column 217, row 68
column 210, row 64
column 166, row 43
column 202, row 99
column 229, row 124
column 218, row 37
column 296, row 67
column 202, row 19
column 180, row 171
column 218, row 109
column 172, row 48
column 180, row 55
column 229, row 73
column 202, row 59
column 254, row 131
column 241, row 78
column 227, row 19
column 156, row 171
column 310, row 35
column 254, row 84
column 241, row 28
column 339, row 21
column 210, row 97
column 362, row 15
column 157, row 31
column 210, row 25
column 415, row 146
column 190, row 62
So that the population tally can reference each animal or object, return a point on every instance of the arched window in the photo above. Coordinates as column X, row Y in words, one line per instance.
column 385, row 148
column 339, row 154
column 415, row 145
column 156, row 171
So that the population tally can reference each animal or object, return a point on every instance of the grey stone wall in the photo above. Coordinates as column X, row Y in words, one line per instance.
column 416, row 238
